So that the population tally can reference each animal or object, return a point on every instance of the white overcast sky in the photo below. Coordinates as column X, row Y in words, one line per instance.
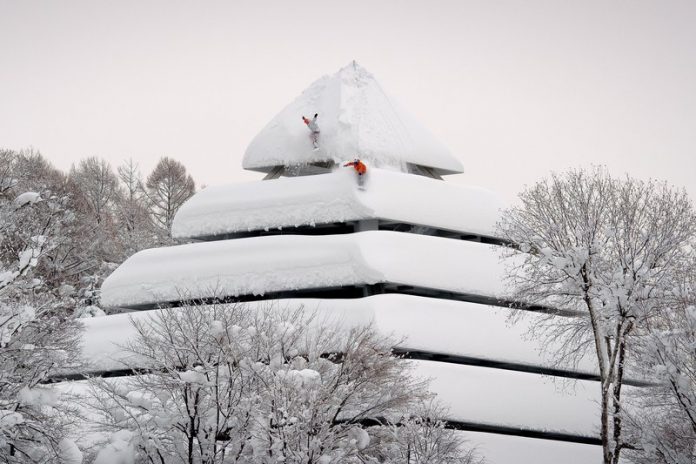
column 514, row 88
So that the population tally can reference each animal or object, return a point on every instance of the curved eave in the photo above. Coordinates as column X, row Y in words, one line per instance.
column 263, row 265
column 335, row 197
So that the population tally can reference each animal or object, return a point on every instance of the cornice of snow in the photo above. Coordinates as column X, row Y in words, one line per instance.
column 357, row 119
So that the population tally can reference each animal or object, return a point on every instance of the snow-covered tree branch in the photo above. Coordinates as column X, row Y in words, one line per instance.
column 233, row 384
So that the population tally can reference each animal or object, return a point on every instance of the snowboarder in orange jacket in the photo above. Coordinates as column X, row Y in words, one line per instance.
column 358, row 165
column 360, row 169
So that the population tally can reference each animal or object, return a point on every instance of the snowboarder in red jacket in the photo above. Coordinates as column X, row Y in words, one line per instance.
column 358, row 165
column 360, row 169
column 313, row 128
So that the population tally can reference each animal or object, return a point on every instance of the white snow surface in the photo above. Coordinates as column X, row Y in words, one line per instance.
column 356, row 120
column 450, row 327
column 506, row 449
column 259, row 265
column 335, row 197
column 517, row 399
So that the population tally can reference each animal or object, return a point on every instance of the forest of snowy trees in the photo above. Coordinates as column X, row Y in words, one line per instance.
column 61, row 234
column 92, row 218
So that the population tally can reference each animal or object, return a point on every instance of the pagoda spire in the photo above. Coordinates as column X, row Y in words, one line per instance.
column 344, row 116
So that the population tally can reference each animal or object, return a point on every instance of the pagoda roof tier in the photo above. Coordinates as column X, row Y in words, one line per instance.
column 490, row 399
column 510, row 449
column 455, row 328
column 356, row 119
column 337, row 198
column 263, row 265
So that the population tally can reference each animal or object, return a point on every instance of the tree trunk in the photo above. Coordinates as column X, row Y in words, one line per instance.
column 606, row 446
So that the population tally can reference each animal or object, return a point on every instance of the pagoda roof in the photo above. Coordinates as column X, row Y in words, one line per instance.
column 356, row 119
column 264, row 265
column 336, row 197
column 458, row 328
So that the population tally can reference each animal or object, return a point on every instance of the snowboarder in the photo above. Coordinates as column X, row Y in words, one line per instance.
column 360, row 169
column 314, row 129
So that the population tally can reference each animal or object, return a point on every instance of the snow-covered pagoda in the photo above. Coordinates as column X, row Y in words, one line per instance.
column 413, row 254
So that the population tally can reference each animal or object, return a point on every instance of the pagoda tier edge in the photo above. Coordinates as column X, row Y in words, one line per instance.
column 337, row 197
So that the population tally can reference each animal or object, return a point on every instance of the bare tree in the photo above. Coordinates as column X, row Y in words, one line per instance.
column 607, row 248
column 32, row 172
column 136, row 230
column 132, row 207
column 168, row 187
column 233, row 384
column 98, row 186
column 8, row 159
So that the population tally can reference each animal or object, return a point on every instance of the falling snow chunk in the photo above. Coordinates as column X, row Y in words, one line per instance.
column 329, row 198
column 356, row 119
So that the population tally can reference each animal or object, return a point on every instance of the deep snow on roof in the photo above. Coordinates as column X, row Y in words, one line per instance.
column 428, row 324
column 356, row 119
column 473, row 394
column 516, row 399
column 335, row 197
column 508, row 449
column 260, row 265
